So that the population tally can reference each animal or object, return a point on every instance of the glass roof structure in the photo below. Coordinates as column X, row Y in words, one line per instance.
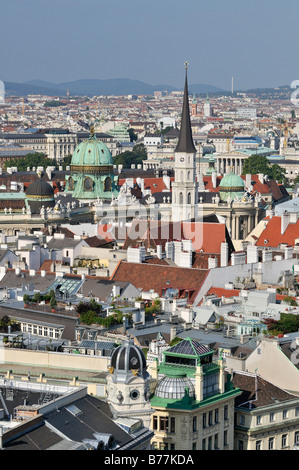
column 65, row 285
column 189, row 347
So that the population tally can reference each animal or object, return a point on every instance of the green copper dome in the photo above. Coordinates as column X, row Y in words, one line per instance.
column 92, row 175
column 91, row 152
column 232, row 186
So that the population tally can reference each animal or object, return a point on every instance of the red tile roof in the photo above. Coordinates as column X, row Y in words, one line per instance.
column 156, row 185
column 272, row 233
column 206, row 236
column 159, row 277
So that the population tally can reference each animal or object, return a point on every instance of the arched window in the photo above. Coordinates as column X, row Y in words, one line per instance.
column 181, row 198
column 189, row 198
column 182, row 176
column 107, row 184
column 189, row 175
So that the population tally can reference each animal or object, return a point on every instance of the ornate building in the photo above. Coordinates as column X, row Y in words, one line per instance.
column 128, row 384
column 193, row 401
column 185, row 186
column 92, row 175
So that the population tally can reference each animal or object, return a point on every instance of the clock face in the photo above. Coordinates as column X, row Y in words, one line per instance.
column 182, row 159
column 134, row 394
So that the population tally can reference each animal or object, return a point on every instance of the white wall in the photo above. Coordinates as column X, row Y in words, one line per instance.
column 218, row 277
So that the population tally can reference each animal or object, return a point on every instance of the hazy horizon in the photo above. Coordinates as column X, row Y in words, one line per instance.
column 60, row 41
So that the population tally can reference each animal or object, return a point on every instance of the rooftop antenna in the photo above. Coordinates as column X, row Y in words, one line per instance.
column 232, row 85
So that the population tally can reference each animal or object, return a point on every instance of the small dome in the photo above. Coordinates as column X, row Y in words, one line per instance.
column 128, row 357
column 39, row 195
column 92, row 152
column 232, row 182
column 174, row 388
column 231, row 186
column 40, row 188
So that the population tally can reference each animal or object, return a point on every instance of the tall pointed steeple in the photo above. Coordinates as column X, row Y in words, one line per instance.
column 185, row 143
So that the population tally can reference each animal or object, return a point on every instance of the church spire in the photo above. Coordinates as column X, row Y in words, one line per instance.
column 185, row 143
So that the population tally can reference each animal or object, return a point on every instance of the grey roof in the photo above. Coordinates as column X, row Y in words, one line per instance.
column 185, row 143
column 59, row 244
column 39, row 438
column 68, row 323
column 94, row 417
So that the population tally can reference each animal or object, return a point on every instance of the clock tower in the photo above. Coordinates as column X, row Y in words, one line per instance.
column 185, row 187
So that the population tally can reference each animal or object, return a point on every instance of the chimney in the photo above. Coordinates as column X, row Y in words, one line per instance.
column 248, row 181
column 213, row 262
column 159, row 251
column 252, row 254
column 173, row 332
column 261, row 177
column 224, row 254
column 285, row 220
column 214, row 179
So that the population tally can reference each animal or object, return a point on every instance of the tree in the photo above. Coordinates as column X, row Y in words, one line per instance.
column 128, row 158
column 260, row 164
column 30, row 160
column 133, row 136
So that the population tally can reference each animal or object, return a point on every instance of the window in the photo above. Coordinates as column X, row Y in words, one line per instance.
column 164, row 423
column 216, row 442
column 203, row 444
column 297, row 411
column 204, row 420
column 284, row 440
column 210, row 443
column 258, row 445
column 241, row 420
column 296, row 438
column 225, row 412
column 271, row 443
column 240, row 445
column 210, row 385
column 210, row 418
column 107, row 184
column 181, row 200
column 189, row 198
column 216, row 415
column 272, row 417
column 225, row 441
column 194, row 446
column 258, row 419
column 155, row 422
column 194, row 424
column 172, row 424
column 284, row 414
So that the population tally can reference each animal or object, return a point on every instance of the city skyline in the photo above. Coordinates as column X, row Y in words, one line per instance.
column 61, row 41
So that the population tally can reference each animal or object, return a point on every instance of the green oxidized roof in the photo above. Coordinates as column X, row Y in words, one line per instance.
column 92, row 152
column 232, row 181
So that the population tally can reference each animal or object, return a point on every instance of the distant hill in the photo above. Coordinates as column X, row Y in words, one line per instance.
column 85, row 87
column 23, row 89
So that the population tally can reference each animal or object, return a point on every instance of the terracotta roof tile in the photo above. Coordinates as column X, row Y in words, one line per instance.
column 159, row 277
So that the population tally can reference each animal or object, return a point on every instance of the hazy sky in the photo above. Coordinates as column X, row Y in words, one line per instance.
column 255, row 41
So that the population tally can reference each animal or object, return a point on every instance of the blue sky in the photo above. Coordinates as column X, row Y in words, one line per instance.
column 255, row 41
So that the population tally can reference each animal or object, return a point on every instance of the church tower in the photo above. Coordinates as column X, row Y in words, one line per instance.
column 185, row 187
